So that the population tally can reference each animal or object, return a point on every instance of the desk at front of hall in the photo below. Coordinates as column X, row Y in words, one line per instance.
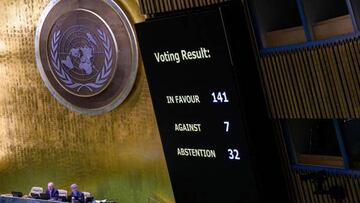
column 6, row 199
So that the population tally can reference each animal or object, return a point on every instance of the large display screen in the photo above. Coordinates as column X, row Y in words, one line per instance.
column 198, row 105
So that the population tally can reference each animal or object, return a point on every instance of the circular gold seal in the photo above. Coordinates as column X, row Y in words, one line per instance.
column 86, row 53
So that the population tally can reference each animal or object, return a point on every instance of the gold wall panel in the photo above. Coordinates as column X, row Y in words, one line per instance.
column 115, row 156
column 314, row 82
column 162, row 6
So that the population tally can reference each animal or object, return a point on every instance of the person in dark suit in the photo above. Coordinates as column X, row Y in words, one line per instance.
column 52, row 192
column 76, row 194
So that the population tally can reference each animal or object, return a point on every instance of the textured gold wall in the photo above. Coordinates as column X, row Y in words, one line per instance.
column 156, row 6
column 115, row 156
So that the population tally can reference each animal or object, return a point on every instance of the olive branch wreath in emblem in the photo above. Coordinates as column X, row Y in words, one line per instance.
column 66, row 79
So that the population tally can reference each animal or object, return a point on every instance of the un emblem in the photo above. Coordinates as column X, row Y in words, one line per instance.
column 87, row 54
column 81, row 53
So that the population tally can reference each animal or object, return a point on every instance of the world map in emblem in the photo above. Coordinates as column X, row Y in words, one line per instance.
column 81, row 54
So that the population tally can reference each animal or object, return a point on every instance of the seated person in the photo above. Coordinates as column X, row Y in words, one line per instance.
column 52, row 192
column 76, row 194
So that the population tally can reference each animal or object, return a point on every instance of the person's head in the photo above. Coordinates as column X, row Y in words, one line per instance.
column 74, row 187
column 50, row 186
